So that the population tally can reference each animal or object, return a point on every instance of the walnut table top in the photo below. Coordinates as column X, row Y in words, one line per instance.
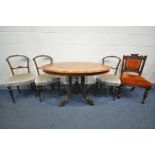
column 75, row 68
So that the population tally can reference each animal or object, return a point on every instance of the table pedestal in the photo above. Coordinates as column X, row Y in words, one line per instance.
column 73, row 88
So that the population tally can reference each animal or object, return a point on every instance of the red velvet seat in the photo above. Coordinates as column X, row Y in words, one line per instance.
column 135, row 80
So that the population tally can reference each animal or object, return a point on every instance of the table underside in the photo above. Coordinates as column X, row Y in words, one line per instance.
column 74, row 88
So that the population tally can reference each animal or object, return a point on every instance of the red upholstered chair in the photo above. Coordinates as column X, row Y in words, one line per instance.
column 132, row 67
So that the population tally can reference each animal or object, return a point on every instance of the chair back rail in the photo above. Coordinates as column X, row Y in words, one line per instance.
column 8, row 59
column 38, row 57
column 113, row 57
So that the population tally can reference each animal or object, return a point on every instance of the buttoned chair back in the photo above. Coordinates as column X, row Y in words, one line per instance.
column 18, row 62
column 133, row 63
column 113, row 62
column 41, row 60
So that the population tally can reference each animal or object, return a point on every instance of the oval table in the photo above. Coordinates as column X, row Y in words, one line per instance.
column 76, row 69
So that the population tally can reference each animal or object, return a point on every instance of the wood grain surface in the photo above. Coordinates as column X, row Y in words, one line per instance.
column 75, row 68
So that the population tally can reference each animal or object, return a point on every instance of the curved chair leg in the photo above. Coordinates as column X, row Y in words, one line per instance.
column 11, row 94
column 147, row 90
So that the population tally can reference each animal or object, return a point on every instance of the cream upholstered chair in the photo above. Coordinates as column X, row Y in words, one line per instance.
column 111, row 78
column 19, row 62
column 43, row 79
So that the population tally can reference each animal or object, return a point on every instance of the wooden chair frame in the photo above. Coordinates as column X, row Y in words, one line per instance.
column 38, row 68
column 138, row 71
column 113, row 90
column 137, row 57
column 18, row 67
column 119, row 61
column 41, row 56
column 15, row 68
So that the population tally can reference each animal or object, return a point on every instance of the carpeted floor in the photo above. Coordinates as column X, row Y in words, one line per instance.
column 125, row 113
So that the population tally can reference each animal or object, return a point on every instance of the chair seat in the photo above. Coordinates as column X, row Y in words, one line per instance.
column 135, row 80
column 109, row 79
column 46, row 79
column 20, row 79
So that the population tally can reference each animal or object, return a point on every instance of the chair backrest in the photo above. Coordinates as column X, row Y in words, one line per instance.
column 41, row 59
column 113, row 62
column 18, row 59
column 133, row 63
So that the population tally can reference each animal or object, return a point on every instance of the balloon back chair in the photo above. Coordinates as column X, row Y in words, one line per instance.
column 43, row 79
column 111, row 79
column 131, row 74
column 20, row 69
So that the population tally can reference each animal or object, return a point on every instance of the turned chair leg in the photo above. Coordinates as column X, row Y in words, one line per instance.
column 11, row 94
column 40, row 89
column 32, row 86
column 35, row 90
column 115, row 92
column 119, row 91
column 147, row 90
column 18, row 89
column 96, row 88
column 112, row 91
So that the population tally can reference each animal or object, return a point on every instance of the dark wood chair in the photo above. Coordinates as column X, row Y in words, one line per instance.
column 19, row 62
column 43, row 79
column 111, row 79
column 131, row 74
